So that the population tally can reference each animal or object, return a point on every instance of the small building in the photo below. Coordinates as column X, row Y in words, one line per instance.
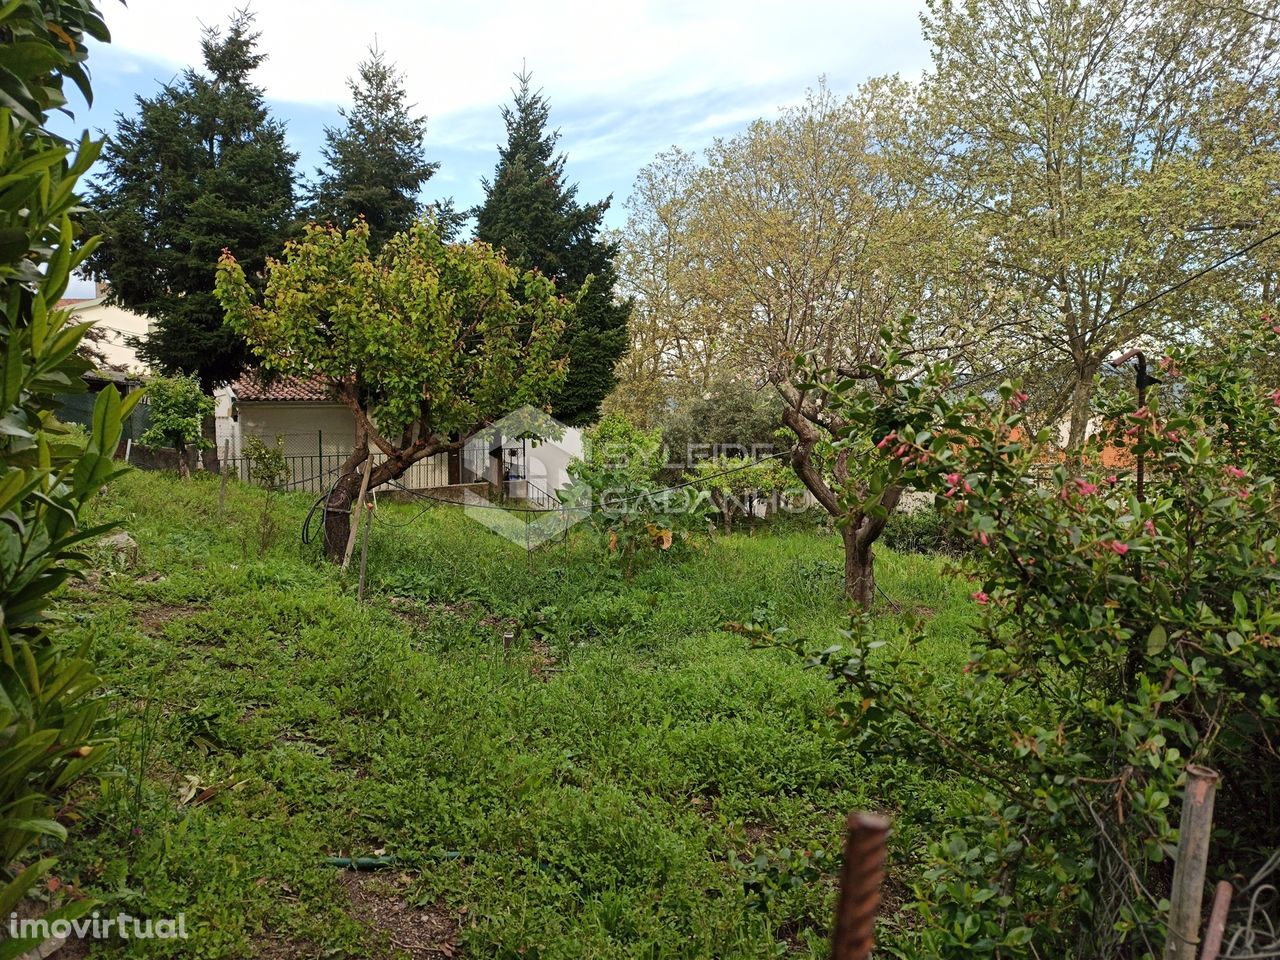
column 318, row 433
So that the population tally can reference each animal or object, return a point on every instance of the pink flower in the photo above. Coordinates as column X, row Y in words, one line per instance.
column 1244, row 493
column 1086, row 489
column 953, row 479
column 1112, row 480
column 984, row 539
column 1276, row 328
column 1236, row 472
column 1118, row 546
column 889, row 438
column 1150, row 526
column 1275, row 397
column 980, row 598
column 1018, row 399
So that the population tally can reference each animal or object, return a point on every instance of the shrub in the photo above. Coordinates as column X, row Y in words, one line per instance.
column 923, row 531
column 616, row 481
column 1118, row 642
column 50, row 713
column 178, row 409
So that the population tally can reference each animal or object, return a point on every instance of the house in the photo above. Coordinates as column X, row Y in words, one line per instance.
column 318, row 433
column 117, row 326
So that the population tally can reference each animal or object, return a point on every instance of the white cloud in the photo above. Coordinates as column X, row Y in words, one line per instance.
column 459, row 57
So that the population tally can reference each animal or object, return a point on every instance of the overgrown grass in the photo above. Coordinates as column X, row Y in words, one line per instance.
column 596, row 791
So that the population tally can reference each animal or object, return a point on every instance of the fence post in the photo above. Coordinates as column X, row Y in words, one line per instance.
column 222, row 468
column 1189, row 869
column 865, row 841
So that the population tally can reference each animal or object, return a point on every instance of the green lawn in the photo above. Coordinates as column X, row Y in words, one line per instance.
column 596, row 792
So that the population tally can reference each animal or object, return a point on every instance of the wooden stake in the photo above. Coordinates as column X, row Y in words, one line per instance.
column 1189, row 869
column 357, row 505
column 364, row 546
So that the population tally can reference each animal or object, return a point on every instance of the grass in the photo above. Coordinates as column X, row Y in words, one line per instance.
column 600, row 790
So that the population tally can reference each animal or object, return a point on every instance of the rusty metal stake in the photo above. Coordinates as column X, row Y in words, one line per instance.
column 1189, row 869
column 864, row 853
column 1217, row 921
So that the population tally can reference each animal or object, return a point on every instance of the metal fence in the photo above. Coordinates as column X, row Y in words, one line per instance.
column 314, row 463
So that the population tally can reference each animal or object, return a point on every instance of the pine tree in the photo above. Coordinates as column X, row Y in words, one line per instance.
column 201, row 168
column 531, row 213
column 375, row 162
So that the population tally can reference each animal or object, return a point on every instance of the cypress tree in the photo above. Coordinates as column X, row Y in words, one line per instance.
column 535, row 216
column 375, row 161
column 200, row 168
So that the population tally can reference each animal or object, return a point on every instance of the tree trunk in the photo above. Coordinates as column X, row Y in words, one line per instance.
column 859, row 566
column 337, row 515
column 184, row 465
column 1081, row 398
column 727, row 513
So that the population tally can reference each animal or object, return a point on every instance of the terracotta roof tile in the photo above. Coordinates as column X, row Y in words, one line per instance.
column 304, row 389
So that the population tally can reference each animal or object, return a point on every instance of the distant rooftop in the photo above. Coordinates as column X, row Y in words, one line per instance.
column 250, row 387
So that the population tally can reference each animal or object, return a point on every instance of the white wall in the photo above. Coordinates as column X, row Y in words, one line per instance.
column 116, row 323
column 548, row 461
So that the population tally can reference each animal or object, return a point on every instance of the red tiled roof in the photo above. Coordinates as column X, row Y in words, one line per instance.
column 73, row 302
column 309, row 389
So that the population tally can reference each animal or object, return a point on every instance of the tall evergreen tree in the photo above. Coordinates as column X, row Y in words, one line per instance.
column 375, row 163
column 535, row 216
column 201, row 168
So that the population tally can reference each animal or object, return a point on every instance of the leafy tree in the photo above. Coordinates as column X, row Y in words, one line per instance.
column 178, row 409
column 200, row 168
column 678, row 343
column 426, row 343
column 51, row 733
column 731, row 419
column 1102, row 152
column 536, row 218
column 806, row 237
column 737, row 484
column 375, row 163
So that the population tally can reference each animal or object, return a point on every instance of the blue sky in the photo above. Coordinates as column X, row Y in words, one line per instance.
column 624, row 84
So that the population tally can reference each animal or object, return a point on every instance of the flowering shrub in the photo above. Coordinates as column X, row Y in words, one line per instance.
column 1116, row 643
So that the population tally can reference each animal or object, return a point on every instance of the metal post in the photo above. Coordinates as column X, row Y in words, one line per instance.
column 1189, row 869
column 865, row 842
column 1143, row 381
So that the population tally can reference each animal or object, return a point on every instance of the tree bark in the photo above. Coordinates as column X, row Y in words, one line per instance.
column 860, row 531
column 337, row 515
column 184, row 465
column 859, row 568
column 1081, row 398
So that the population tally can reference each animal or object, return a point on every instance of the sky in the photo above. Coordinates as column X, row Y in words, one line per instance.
column 625, row 80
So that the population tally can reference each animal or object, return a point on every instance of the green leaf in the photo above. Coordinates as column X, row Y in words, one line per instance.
column 1157, row 640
